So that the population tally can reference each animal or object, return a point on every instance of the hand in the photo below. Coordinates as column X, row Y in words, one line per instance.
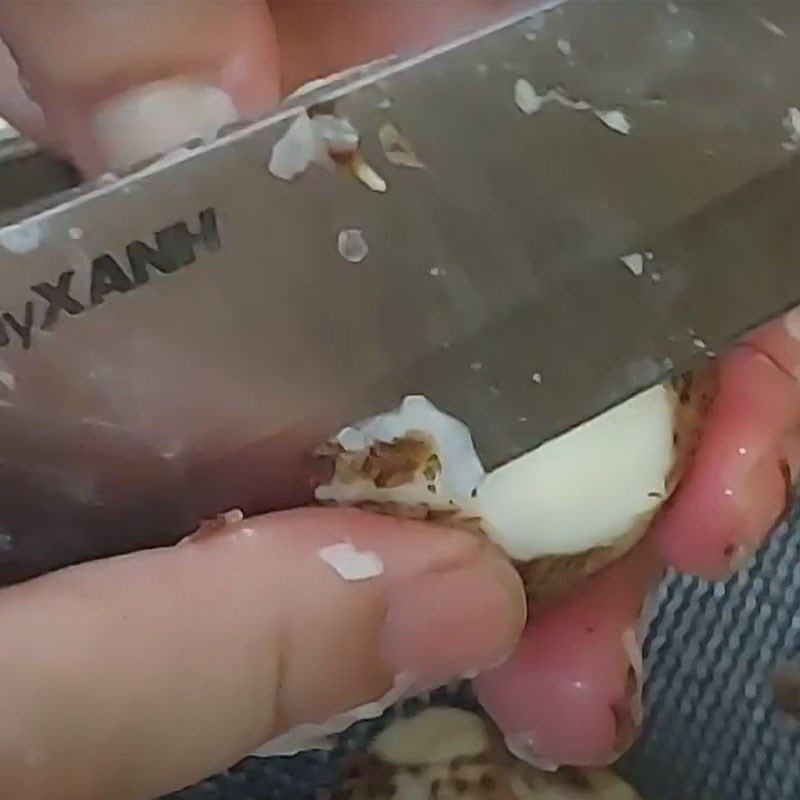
column 160, row 668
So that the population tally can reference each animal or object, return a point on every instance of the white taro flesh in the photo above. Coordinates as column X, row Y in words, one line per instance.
column 448, row 753
column 559, row 512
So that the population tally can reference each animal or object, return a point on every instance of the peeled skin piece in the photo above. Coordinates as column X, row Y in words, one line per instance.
column 445, row 753
column 559, row 512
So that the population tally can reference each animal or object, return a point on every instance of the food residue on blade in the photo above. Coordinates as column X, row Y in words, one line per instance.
column 350, row 563
column 792, row 124
column 536, row 377
column 564, row 47
column 615, row 120
column 295, row 150
column 352, row 246
column 366, row 174
column 530, row 102
column 526, row 98
column 22, row 238
column 772, row 27
column 634, row 262
column 325, row 140
column 397, row 148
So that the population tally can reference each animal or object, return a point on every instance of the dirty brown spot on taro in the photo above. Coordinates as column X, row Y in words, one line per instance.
column 488, row 783
column 460, row 785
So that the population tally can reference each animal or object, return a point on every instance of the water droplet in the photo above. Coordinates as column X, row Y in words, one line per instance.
column 352, row 246
column 476, row 366
column 682, row 40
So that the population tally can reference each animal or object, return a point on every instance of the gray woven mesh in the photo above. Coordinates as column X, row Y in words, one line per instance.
column 711, row 731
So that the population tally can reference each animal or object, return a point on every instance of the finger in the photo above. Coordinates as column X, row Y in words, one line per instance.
column 571, row 693
column 320, row 37
column 740, row 479
column 16, row 107
column 120, row 82
column 133, row 677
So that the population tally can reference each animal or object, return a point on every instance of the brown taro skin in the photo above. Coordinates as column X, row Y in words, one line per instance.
column 393, row 464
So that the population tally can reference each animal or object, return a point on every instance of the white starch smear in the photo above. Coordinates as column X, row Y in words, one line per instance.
column 350, row 563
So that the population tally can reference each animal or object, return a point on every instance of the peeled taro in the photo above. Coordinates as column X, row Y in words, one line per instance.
column 559, row 512
column 447, row 753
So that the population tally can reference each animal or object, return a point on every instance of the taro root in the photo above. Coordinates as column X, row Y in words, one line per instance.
column 559, row 512
column 447, row 753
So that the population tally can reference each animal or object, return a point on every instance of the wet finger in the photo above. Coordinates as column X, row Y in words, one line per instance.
column 111, row 98
column 136, row 676
column 571, row 693
column 740, row 478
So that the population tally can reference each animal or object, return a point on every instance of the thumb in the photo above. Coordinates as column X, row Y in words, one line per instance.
column 139, row 675
column 123, row 81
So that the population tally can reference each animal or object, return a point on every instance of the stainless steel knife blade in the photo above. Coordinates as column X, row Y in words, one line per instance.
column 177, row 340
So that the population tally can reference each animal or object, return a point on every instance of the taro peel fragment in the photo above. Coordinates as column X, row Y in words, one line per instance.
column 325, row 140
column 634, row 262
column 526, row 98
column 559, row 512
column 398, row 149
column 615, row 120
column 444, row 753
column 530, row 102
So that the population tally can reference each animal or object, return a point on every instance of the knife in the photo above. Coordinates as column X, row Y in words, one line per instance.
column 605, row 193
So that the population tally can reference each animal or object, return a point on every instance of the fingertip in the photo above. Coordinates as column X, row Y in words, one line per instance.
column 571, row 692
column 96, row 83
